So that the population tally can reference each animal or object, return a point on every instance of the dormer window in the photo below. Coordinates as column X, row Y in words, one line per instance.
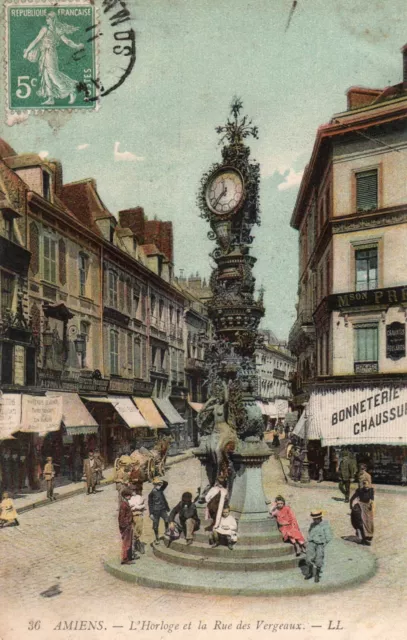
column 46, row 185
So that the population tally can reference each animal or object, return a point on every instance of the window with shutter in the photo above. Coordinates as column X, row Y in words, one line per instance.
column 34, row 248
column 83, row 269
column 130, row 351
column 366, row 348
column 49, row 256
column 7, row 291
column 114, row 352
column 137, row 358
column 366, row 190
column 112, row 289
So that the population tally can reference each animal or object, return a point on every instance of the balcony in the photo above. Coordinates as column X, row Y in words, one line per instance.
column 302, row 334
column 194, row 365
column 14, row 257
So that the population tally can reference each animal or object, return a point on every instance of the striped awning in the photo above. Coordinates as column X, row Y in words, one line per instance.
column 75, row 416
column 169, row 411
column 150, row 413
column 270, row 409
column 124, row 406
column 305, row 423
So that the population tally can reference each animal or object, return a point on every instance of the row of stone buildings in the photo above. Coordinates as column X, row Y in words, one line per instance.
column 350, row 333
column 90, row 312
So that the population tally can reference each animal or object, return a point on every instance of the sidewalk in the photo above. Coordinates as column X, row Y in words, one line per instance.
column 333, row 486
column 39, row 499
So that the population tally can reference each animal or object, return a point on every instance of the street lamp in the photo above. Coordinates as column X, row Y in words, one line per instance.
column 305, row 463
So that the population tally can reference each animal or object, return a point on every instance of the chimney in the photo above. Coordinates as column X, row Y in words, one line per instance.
column 404, row 52
column 133, row 219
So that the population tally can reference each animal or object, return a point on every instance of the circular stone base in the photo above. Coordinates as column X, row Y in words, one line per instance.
column 346, row 565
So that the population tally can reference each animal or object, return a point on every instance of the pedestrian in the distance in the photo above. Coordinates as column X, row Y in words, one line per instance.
column 362, row 512
column 49, row 475
column 158, row 506
column 319, row 535
column 186, row 515
column 288, row 525
column 363, row 475
column 126, row 527
column 100, row 465
column 8, row 514
column 404, row 471
column 90, row 472
column 347, row 472
column 138, row 506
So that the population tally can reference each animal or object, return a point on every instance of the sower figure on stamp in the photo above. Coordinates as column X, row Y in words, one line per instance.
column 158, row 506
column 319, row 535
column 53, row 83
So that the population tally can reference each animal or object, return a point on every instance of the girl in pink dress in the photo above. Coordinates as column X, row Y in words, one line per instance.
column 288, row 525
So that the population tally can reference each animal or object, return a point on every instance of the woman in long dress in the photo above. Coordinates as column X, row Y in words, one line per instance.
column 362, row 512
column 54, row 84
column 288, row 525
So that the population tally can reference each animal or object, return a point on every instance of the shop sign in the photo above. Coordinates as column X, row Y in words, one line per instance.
column 281, row 407
column 390, row 297
column 360, row 416
column 19, row 364
column 142, row 388
column 395, row 340
column 123, row 385
column 88, row 384
column 41, row 414
column 10, row 414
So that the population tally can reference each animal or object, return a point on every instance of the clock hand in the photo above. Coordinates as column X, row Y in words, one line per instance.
column 224, row 192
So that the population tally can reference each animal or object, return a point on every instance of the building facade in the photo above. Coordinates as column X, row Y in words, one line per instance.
column 89, row 315
column 349, row 336
column 275, row 366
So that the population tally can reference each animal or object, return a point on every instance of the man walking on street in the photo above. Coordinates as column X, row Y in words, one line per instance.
column 347, row 472
column 49, row 475
column 90, row 472
column 319, row 535
column 158, row 505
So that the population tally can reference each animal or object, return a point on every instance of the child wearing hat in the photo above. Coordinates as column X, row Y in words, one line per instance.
column 319, row 535
column 158, row 505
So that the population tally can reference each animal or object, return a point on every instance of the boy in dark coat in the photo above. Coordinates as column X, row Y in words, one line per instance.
column 186, row 514
column 126, row 527
column 158, row 505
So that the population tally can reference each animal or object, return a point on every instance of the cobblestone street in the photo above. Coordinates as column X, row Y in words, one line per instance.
column 64, row 544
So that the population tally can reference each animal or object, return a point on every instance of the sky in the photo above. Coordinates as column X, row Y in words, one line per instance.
column 154, row 137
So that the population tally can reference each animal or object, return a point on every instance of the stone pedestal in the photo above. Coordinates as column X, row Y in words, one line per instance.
column 247, row 501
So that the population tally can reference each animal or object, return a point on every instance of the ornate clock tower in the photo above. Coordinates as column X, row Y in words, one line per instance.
column 232, row 450
column 229, row 200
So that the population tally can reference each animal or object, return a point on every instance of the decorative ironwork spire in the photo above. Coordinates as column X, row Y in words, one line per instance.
column 237, row 130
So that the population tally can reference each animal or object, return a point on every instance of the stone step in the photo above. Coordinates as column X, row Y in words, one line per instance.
column 231, row 563
column 254, row 538
column 240, row 550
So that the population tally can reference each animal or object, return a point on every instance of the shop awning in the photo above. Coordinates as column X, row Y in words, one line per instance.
column 170, row 412
column 281, row 407
column 41, row 414
column 124, row 406
column 150, row 413
column 196, row 406
column 10, row 414
column 262, row 407
column 300, row 427
column 270, row 409
column 360, row 415
column 75, row 416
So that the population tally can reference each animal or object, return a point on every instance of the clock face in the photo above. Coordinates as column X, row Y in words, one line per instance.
column 225, row 191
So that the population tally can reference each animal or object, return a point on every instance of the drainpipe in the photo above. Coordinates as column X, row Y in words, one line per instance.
column 101, row 283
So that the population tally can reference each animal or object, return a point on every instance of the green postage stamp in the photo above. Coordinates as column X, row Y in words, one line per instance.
column 51, row 55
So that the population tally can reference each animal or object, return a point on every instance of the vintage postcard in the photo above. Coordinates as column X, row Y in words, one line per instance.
column 203, row 307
